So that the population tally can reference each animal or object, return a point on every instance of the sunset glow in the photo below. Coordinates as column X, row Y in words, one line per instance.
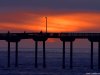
column 74, row 22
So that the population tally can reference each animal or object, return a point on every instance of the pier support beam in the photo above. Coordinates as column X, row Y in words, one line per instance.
column 41, row 38
column 44, row 56
column 71, row 54
column 91, row 56
column 8, row 54
column 16, row 55
column 99, row 55
column 68, row 39
column 63, row 56
column 36, row 46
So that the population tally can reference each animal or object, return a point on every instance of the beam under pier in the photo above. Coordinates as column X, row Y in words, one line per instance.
column 91, row 56
column 44, row 56
column 63, row 56
column 71, row 54
column 8, row 54
column 99, row 55
column 36, row 46
column 16, row 55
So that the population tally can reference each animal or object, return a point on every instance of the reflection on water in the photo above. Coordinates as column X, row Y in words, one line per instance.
column 81, row 62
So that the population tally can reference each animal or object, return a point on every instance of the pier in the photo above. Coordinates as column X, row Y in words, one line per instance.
column 64, row 37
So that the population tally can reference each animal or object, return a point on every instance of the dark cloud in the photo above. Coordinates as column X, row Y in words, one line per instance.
column 56, row 5
column 14, row 18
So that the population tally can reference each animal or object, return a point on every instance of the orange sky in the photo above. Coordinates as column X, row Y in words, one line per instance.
column 63, row 22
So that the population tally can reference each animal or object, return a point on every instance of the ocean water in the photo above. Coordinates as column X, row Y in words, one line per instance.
column 81, row 62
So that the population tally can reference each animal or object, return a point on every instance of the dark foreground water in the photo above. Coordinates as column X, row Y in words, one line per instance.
column 81, row 60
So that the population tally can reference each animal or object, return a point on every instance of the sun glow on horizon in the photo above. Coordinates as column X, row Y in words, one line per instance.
column 75, row 22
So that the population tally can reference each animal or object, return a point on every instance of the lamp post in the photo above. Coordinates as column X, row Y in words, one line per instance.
column 46, row 24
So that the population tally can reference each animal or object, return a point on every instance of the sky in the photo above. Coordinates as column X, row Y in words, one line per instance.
column 63, row 15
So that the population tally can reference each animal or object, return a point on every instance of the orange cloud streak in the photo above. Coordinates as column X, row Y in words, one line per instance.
column 74, row 22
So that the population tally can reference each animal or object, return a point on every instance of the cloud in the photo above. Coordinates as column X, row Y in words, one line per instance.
column 63, row 15
column 55, row 5
column 67, row 22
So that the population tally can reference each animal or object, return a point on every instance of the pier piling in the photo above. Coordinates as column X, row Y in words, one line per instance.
column 8, row 53
column 91, row 56
column 36, row 48
column 63, row 57
column 44, row 56
column 99, row 55
column 16, row 55
column 71, row 54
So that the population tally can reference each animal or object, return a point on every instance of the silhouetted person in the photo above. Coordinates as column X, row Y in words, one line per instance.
column 41, row 32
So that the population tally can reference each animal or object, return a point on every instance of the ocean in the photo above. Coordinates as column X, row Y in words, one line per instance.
column 81, row 62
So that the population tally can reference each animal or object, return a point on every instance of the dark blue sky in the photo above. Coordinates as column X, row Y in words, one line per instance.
column 55, row 5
